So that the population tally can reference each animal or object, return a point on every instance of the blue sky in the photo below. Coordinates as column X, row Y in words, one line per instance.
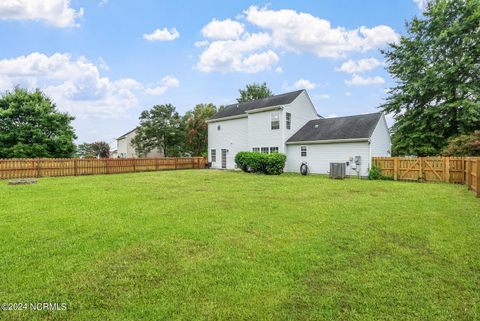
column 106, row 61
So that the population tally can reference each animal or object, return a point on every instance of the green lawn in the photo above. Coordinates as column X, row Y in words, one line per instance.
column 212, row 245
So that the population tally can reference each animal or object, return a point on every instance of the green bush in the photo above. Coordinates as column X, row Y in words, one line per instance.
column 270, row 164
column 374, row 173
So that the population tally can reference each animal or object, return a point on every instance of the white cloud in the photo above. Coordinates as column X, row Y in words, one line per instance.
column 223, row 30
column 358, row 80
column 203, row 43
column 348, row 93
column 298, row 31
column 166, row 83
column 102, row 3
column 75, row 85
column 238, row 55
column 299, row 84
column 57, row 13
column 279, row 69
column 361, row 65
column 332, row 116
column 162, row 35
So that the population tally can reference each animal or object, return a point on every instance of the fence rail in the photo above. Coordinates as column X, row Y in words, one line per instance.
column 460, row 170
column 50, row 167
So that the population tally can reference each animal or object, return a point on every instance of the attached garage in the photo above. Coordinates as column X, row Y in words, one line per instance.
column 352, row 140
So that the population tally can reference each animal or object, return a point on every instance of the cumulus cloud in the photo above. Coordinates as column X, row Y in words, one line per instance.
column 321, row 96
column 166, row 83
column 299, row 84
column 358, row 80
column 361, row 65
column 202, row 43
column 298, row 31
column 238, row 55
column 75, row 84
column 162, row 35
column 223, row 30
column 57, row 13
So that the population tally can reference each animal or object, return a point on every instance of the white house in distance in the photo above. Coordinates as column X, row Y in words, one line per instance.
column 126, row 150
column 289, row 124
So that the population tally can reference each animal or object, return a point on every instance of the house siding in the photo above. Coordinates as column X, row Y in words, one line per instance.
column 380, row 145
column 126, row 150
column 232, row 136
column 260, row 132
column 319, row 157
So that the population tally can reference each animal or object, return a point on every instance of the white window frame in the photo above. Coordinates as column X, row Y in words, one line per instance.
column 303, row 151
column 273, row 150
column 256, row 149
column 213, row 155
column 275, row 120
column 288, row 120
column 265, row 150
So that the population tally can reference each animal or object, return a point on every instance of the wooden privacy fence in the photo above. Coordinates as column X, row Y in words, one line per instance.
column 49, row 167
column 460, row 170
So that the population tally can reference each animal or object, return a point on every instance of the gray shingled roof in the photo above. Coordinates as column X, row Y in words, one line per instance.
column 349, row 127
column 241, row 108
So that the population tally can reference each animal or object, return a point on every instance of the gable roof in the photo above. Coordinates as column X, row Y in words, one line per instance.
column 241, row 108
column 349, row 127
column 124, row 135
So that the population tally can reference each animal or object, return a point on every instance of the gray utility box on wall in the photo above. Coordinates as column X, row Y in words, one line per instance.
column 337, row 170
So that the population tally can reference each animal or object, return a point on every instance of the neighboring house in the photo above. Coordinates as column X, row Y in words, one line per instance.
column 289, row 124
column 125, row 148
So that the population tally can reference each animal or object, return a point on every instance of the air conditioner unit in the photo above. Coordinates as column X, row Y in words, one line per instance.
column 337, row 170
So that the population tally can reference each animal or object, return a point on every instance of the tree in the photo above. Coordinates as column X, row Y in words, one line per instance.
column 96, row 149
column 197, row 128
column 31, row 126
column 437, row 71
column 464, row 145
column 253, row 92
column 160, row 127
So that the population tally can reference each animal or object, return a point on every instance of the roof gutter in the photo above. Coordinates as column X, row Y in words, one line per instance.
column 330, row 141
column 226, row 118
column 259, row 110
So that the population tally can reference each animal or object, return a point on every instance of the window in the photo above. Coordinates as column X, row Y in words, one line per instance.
column 265, row 150
column 275, row 120
column 289, row 120
column 273, row 150
column 256, row 149
column 213, row 152
column 303, row 151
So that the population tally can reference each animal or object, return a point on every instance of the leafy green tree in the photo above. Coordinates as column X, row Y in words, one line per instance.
column 31, row 126
column 253, row 92
column 96, row 149
column 197, row 128
column 464, row 145
column 436, row 66
column 160, row 127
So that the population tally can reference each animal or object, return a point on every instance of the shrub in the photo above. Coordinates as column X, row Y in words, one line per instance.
column 374, row 173
column 270, row 164
column 464, row 145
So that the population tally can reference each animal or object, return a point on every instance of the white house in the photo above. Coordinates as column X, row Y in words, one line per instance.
column 125, row 148
column 288, row 123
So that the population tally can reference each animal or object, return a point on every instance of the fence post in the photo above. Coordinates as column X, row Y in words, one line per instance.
column 478, row 177
column 75, row 167
column 446, row 169
column 420, row 159
column 107, row 169
column 175, row 163
column 467, row 173
column 395, row 168
column 38, row 167
column 134, row 165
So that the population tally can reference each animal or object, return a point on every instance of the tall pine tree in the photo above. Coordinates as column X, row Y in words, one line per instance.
column 437, row 69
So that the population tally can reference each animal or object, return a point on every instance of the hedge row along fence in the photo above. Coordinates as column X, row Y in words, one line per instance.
column 50, row 167
column 460, row 170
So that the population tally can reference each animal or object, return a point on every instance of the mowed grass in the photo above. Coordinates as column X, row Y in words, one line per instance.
column 213, row 245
